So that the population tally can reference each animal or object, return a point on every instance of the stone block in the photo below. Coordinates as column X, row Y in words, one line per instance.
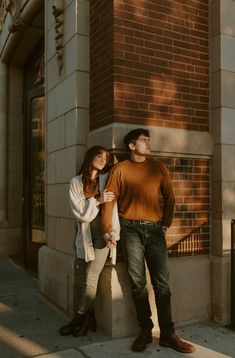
column 49, row 18
column 81, row 150
column 65, row 164
column 169, row 140
column 228, row 51
column 56, row 200
column 222, row 125
column 191, row 296
column 50, row 44
column 51, row 105
column 228, row 89
column 77, row 126
column 215, row 54
column 226, row 232
column 228, row 162
column 70, row 21
column 227, row 125
column 216, row 163
column 227, row 19
column 65, row 235
column 216, row 237
column 56, row 134
column 83, row 17
column 66, row 95
column 114, row 303
column 216, row 89
column 228, row 199
column 221, row 289
column 53, row 77
column 51, row 231
column 56, row 277
column 83, row 89
column 77, row 53
column 50, row 165
column 216, row 199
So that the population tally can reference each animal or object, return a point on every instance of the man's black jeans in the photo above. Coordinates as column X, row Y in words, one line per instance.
column 142, row 242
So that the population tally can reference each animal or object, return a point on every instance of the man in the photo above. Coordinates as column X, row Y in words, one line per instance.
column 136, row 183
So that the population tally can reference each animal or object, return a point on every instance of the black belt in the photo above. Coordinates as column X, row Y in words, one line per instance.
column 143, row 222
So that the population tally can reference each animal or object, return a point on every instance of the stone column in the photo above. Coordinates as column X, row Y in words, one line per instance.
column 222, row 39
column 67, row 123
column 3, row 155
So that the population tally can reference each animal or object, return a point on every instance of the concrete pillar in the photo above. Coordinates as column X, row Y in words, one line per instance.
column 67, row 126
column 222, row 40
column 3, row 143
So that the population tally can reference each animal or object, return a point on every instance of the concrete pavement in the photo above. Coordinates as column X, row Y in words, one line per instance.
column 29, row 328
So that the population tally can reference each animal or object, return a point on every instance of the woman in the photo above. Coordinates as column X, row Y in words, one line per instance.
column 87, row 194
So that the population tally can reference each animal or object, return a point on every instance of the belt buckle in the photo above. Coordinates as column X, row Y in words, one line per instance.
column 146, row 222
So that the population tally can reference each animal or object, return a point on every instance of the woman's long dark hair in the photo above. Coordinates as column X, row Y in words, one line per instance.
column 85, row 170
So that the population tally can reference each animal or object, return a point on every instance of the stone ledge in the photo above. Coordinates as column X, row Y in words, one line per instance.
column 167, row 141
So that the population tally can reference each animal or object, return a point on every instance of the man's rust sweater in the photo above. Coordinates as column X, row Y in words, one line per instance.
column 137, row 186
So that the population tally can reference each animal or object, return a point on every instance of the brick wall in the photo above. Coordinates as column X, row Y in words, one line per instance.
column 160, row 59
column 101, row 56
column 161, row 63
column 190, row 230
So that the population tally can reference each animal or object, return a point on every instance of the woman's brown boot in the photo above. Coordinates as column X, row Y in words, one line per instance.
column 70, row 327
column 82, row 328
column 92, row 320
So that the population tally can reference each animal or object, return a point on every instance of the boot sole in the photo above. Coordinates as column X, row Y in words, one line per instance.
column 167, row 345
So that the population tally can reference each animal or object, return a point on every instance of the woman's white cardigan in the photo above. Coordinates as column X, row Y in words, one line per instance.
column 85, row 211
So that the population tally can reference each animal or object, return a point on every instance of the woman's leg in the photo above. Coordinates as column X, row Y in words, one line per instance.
column 93, row 273
column 86, row 303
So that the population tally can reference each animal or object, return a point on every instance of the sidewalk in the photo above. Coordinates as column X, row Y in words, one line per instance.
column 29, row 328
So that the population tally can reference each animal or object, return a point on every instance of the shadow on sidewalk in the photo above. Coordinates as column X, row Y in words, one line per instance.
column 28, row 322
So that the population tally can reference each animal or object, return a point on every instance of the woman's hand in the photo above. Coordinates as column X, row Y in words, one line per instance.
column 106, row 196
column 110, row 240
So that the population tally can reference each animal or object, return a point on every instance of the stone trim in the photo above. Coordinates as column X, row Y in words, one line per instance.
column 165, row 141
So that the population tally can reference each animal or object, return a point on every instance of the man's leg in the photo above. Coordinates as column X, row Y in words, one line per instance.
column 157, row 261
column 133, row 250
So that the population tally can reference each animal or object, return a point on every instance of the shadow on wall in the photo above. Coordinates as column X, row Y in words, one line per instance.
column 161, row 64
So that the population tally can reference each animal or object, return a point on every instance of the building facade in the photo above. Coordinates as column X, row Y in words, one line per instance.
column 75, row 73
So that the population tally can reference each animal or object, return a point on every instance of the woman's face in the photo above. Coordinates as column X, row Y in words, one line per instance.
column 99, row 161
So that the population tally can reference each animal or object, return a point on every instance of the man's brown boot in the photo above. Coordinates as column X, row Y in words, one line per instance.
column 140, row 343
column 176, row 343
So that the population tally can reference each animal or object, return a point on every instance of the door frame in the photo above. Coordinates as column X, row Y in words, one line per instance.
column 30, row 248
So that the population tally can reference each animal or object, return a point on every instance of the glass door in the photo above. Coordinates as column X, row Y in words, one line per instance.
column 34, row 161
column 37, row 170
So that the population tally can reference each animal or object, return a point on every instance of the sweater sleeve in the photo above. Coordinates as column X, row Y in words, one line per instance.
column 85, row 210
column 168, row 196
column 107, row 208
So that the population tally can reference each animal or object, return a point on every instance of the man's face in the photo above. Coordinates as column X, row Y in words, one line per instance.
column 141, row 145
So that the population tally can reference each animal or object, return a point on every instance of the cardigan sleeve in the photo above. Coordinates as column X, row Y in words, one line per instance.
column 85, row 210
